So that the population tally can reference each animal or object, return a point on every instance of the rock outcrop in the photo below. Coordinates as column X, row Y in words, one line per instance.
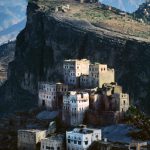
column 143, row 12
column 48, row 39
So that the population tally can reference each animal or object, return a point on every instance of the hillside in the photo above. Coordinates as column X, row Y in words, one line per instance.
column 144, row 12
column 85, row 31
column 6, row 55
column 99, row 15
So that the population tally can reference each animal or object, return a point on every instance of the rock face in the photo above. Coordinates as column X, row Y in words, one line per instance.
column 144, row 11
column 49, row 39
column 7, row 51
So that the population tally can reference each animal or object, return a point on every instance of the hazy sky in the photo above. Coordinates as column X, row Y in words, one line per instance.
column 11, row 12
column 12, row 18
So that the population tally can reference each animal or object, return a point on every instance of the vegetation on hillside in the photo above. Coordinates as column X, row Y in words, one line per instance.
column 141, row 122
column 100, row 16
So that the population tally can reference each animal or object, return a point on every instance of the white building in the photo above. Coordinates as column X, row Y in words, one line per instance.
column 28, row 139
column 53, row 143
column 73, row 69
column 81, row 138
column 100, row 74
column 74, row 106
column 49, row 94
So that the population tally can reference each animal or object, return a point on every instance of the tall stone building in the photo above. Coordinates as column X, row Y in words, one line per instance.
column 100, row 74
column 51, row 94
column 121, row 101
column 75, row 105
column 110, row 98
column 28, row 139
column 54, row 142
column 73, row 69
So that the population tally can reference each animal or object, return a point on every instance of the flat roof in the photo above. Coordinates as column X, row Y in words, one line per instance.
column 68, row 60
column 83, row 130
column 77, row 92
column 55, row 137
column 30, row 130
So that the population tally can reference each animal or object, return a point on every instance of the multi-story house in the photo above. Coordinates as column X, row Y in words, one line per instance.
column 81, row 73
column 55, row 142
column 121, row 101
column 73, row 69
column 81, row 138
column 110, row 98
column 100, row 74
column 28, row 139
column 50, row 94
column 75, row 105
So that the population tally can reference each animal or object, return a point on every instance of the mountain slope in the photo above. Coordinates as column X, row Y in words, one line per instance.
column 143, row 12
column 50, row 37
column 6, row 55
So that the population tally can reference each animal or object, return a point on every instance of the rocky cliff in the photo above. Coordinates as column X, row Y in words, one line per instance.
column 49, row 38
column 143, row 12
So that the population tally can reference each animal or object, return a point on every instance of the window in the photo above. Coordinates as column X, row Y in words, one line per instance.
column 47, row 147
column 58, row 148
column 68, row 140
column 86, row 142
column 79, row 142
column 75, row 141
column 124, row 102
